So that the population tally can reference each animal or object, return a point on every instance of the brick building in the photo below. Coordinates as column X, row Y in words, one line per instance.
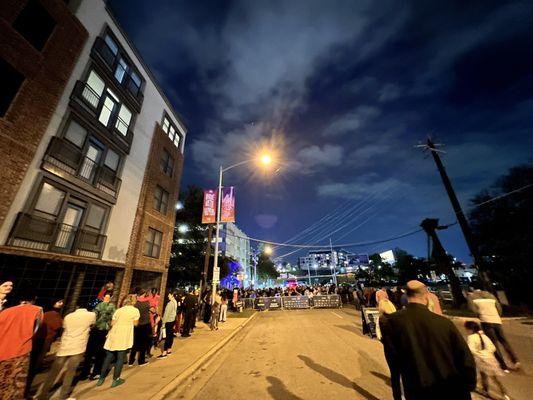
column 91, row 154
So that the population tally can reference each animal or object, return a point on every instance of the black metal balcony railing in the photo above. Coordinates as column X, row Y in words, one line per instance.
column 111, row 60
column 33, row 232
column 65, row 156
column 116, row 126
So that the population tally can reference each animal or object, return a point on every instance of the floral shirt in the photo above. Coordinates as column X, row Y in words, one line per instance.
column 104, row 312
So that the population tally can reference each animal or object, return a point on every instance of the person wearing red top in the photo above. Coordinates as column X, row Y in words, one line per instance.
column 17, row 326
column 108, row 287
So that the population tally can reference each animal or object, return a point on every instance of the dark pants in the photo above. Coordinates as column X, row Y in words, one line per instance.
column 495, row 333
column 207, row 313
column 188, row 324
column 95, row 353
column 141, row 342
column 119, row 362
column 169, row 339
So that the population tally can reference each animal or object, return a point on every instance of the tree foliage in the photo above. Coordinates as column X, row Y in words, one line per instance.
column 265, row 267
column 504, row 231
column 188, row 248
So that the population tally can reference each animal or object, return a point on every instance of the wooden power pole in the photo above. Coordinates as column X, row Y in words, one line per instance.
column 461, row 218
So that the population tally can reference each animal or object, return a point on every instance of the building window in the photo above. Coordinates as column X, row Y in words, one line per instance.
column 170, row 129
column 167, row 163
column 35, row 24
column 10, row 82
column 111, row 111
column 160, row 199
column 122, row 69
column 152, row 245
column 49, row 201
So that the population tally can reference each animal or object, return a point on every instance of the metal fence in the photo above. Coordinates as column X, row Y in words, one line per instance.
column 292, row 302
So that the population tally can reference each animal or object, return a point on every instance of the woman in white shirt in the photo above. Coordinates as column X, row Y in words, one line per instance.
column 483, row 350
column 120, row 339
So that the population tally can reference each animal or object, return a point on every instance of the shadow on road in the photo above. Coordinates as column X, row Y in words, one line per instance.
column 279, row 391
column 337, row 378
column 384, row 377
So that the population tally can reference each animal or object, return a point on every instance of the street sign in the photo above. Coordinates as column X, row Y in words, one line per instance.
column 216, row 274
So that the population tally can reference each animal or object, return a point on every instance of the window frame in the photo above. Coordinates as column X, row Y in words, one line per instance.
column 167, row 163
column 150, row 243
column 160, row 205
column 171, row 130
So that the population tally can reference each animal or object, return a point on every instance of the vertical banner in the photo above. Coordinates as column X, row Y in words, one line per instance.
column 209, row 209
column 228, row 204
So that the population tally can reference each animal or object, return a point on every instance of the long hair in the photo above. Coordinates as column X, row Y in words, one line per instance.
column 129, row 300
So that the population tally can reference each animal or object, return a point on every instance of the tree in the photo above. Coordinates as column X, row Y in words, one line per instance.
column 504, row 233
column 190, row 241
column 265, row 267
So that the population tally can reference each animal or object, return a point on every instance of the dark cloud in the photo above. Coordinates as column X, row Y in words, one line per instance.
column 345, row 90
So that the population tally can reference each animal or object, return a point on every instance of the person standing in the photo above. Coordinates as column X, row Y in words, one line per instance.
column 434, row 303
column 223, row 307
column 76, row 328
column 387, row 308
column 95, row 353
column 432, row 357
column 142, row 333
column 483, row 350
column 189, row 309
column 381, row 294
column 107, row 288
column 489, row 311
column 169, row 319
column 48, row 332
column 215, row 312
column 6, row 287
column 17, row 327
column 119, row 339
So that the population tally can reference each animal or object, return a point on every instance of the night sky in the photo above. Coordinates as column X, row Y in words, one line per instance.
column 344, row 90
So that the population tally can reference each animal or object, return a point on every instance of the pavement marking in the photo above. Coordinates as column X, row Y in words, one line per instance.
column 337, row 315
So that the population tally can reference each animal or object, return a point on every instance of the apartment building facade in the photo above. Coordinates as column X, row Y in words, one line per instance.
column 91, row 154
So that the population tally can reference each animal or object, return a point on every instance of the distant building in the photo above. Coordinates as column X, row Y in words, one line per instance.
column 341, row 259
column 234, row 243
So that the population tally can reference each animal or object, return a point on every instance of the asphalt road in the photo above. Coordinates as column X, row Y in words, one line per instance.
column 307, row 354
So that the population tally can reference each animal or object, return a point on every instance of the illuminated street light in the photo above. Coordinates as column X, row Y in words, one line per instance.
column 265, row 159
column 179, row 205
column 268, row 250
column 183, row 228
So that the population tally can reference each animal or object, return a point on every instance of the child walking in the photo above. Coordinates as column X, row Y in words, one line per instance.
column 483, row 350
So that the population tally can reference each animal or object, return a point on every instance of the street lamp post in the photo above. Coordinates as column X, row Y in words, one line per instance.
column 265, row 159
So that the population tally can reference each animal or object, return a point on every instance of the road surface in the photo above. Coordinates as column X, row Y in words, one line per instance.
column 299, row 354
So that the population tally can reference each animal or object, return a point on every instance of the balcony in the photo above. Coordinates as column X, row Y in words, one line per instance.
column 118, row 130
column 109, row 61
column 37, row 233
column 62, row 157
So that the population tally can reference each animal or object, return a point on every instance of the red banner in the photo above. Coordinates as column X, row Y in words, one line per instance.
column 209, row 210
column 228, row 204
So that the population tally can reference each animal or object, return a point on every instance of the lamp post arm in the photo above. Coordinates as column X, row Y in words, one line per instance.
column 236, row 165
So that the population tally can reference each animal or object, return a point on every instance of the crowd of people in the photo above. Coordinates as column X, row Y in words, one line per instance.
column 95, row 338
column 427, row 353
column 427, row 356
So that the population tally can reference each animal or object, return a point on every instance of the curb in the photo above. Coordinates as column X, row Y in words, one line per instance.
column 471, row 318
column 175, row 382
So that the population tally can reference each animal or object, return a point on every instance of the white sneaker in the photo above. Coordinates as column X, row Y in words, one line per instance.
column 71, row 398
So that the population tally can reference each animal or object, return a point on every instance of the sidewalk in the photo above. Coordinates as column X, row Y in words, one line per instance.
column 151, row 381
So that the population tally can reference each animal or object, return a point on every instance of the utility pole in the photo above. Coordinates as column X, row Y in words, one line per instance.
column 461, row 218
column 206, row 259
column 430, row 226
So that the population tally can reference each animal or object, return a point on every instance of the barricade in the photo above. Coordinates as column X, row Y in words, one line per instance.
column 327, row 301
column 295, row 302
column 292, row 302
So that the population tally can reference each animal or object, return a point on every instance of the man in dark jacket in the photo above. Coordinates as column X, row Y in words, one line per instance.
column 142, row 333
column 433, row 358
column 190, row 305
